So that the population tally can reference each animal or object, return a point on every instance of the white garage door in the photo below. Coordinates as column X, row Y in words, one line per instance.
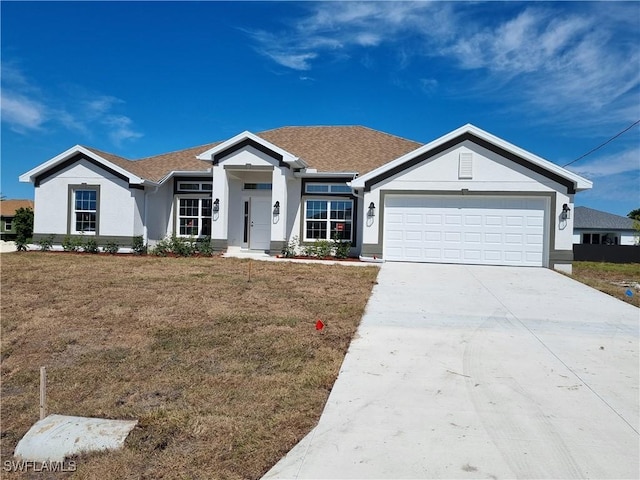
column 464, row 229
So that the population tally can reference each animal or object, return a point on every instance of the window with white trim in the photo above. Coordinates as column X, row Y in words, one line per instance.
column 194, row 217
column 85, row 211
column 328, row 219
column 8, row 224
column 327, row 188
column 195, row 186
column 257, row 186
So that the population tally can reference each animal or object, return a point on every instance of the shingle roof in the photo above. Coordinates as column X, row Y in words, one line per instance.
column 340, row 149
column 8, row 207
column 588, row 218
column 327, row 149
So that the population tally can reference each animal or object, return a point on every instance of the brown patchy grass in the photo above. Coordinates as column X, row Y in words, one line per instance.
column 606, row 276
column 223, row 374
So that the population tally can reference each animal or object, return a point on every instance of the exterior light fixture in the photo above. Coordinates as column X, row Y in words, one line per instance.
column 276, row 208
column 216, row 205
column 372, row 210
column 566, row 212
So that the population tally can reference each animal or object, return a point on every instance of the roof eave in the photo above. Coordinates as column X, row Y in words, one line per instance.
column 287, row 157
column 580, row 183
column 31, row 175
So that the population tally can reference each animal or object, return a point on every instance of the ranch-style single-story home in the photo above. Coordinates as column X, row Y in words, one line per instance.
column 467, row 197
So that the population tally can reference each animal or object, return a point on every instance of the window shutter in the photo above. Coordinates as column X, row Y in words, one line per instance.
column 465, row 167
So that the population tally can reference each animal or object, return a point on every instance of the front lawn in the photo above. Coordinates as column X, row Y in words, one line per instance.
column 224, row 374
column 612, row 278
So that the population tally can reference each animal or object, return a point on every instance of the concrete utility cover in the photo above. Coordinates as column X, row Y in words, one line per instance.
column 59, row 436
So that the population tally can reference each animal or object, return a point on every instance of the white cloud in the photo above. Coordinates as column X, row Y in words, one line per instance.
column 568, row 62
column 623, row 162
column 20, row 112
column 120, row 128
column 26, row 107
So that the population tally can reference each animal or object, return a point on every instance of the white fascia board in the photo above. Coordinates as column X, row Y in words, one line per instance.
column 287, row 157
column 67, row 154
column 580, row 182
column 185, row 173
column 315, row 173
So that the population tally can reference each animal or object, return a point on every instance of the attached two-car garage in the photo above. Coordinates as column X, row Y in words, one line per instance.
column 484, row 230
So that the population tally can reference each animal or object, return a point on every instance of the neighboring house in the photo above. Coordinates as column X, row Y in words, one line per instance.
column 595, row 227
column 8, row 209
column 467, row 197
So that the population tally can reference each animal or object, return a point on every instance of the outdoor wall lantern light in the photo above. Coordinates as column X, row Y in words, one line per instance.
column 276, row 208
column 566, row 212
column 372, row 210
column 216, row 205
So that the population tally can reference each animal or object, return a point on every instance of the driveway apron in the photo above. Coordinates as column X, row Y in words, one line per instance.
column 461, row 371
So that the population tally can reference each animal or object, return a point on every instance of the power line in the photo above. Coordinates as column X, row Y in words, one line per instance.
column 603, row 144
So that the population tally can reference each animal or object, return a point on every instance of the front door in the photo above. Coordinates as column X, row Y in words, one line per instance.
column 259, row 225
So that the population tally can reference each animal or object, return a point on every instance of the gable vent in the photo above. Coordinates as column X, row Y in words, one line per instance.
column 465, row 167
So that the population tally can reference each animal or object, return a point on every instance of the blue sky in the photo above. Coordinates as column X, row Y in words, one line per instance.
column 139, row 79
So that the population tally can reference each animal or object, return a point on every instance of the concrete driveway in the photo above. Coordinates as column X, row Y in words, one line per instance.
column 481, row 372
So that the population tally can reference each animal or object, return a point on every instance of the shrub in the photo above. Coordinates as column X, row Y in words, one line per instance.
column 203, row 247
column 71, row 244
column 319, row 248
column 91, row 246
column 23, row 224
column 290, row 248
column 162, row 248
column 111, row 248
column 342, row 249
column 323, row 248
column 21, row 245
column 184, row 247
column 138, row 246
column 46, row 243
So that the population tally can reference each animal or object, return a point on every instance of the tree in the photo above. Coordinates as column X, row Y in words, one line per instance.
column 634, row 214
column 23, row 222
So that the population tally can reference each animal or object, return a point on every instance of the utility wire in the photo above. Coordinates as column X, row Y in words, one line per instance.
column 603, row 144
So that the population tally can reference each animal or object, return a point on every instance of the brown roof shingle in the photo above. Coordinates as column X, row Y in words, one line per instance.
column 340, row 149
column 8, row 207
column 325, row 148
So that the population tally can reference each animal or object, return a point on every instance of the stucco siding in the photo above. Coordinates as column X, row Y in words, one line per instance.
column 491, row 175
column 118, row 205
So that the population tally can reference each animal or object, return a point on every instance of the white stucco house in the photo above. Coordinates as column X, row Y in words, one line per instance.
column 467, row 197
column 595, row 227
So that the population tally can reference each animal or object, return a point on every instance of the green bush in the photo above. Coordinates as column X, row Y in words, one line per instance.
column 71, row 244
column 111, row 248
column 162, row 248
column 138, row 246
column 46, row 243
column 183, row 247
column 319, row 248
column 23, row 224
column 342, row 249
column 203, row 247
column 323, row 248
column 91, row 246
column 21, row 245
column 290, row 248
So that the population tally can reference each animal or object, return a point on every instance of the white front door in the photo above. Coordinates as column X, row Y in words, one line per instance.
column 260, row 223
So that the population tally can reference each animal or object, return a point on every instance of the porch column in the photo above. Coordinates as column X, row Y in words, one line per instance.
column 279, row 194
column 220, row 219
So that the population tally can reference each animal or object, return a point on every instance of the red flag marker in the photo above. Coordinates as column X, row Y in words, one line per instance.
column 319, row 325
